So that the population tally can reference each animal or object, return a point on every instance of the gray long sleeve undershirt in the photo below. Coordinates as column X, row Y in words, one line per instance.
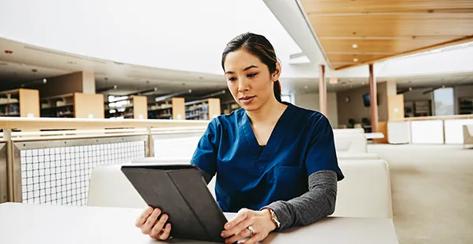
column 317, row 203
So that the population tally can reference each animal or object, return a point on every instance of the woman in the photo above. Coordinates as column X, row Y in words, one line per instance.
column 275, row 162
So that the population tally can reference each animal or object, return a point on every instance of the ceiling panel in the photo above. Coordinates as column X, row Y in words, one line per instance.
column 385, row 28
column 349, row 6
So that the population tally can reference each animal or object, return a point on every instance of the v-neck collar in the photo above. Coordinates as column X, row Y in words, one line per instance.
column 274, row 139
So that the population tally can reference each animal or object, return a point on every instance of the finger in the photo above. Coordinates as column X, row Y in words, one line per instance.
column 158, row 227
column 240, row 226
column 166, row 232
column 141, row 220
column 255, row 239
column 241, row 215
column 240, row 236
column 148, row 225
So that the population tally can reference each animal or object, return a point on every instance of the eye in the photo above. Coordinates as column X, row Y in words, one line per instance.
column 231, row 79
column 251, row 75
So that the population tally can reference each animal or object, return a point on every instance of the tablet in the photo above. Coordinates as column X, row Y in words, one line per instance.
column 182, row 193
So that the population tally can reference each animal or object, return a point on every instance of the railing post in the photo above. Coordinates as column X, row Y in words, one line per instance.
column 150, row 144
column 10, row 161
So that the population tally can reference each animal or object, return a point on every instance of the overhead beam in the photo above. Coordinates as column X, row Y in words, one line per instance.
column 428, row 12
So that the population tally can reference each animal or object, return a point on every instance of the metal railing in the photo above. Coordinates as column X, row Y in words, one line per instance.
column 53, row 166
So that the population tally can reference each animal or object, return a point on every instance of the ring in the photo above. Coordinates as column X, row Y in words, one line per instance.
column 252, row 231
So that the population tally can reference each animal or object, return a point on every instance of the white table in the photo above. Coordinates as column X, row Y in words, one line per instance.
column 21, row 223
column 374, row 135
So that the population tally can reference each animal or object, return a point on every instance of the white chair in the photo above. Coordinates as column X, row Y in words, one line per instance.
column 109, row 187
column 365, row 191
column 467, row 135
column 350, row 140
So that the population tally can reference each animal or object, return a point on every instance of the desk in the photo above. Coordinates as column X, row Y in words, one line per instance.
column 22, row 224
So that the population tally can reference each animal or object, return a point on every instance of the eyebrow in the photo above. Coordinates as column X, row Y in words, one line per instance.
column 245, row 69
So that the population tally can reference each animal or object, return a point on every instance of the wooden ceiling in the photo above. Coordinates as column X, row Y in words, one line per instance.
column 354, row 32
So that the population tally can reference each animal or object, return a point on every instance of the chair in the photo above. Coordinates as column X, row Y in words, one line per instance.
column 350, row 140
column 467, row 135
column 351, row 123
column 365, row 191
column 109, row 187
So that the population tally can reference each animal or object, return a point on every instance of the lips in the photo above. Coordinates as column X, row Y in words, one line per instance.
column 246, row 99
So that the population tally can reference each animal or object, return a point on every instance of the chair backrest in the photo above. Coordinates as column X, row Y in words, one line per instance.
column 468, row 134
column 366, row 189
column 109, row 187
column 350, row 140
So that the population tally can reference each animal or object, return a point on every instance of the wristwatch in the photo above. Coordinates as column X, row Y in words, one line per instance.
column 274, row 218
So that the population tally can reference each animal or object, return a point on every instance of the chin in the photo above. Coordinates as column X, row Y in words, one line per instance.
column 251, row 107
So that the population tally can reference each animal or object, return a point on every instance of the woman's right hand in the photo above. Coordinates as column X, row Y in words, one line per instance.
column 153, row 223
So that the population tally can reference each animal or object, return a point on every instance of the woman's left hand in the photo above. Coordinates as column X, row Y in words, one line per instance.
column 246, row 222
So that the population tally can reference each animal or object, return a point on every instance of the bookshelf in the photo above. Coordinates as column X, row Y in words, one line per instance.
column 61, row 106
column 172, row 108
column 19, row 103
column 465, row 105
column 417, row 108
column 229, row 106
column 73, row 105
column 128, row 107
column 203, row 109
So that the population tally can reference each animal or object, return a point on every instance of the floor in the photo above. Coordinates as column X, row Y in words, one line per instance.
column 432, row 187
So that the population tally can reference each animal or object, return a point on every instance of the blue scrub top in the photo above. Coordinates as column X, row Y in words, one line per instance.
column 250, row 176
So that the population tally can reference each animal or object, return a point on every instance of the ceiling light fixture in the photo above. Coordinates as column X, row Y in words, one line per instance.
column 354, row 45
column 355, row 60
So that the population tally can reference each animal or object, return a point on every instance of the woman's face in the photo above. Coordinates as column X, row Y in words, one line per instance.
column 249, row 80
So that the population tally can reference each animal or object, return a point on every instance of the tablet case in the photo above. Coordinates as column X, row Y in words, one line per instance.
column 182, row 193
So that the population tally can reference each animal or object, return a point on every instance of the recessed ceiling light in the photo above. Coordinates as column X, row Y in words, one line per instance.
column 45, row 81
column 355, row 60
column 354, row 45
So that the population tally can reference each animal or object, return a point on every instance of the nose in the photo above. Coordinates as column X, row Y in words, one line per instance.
column 243, row 85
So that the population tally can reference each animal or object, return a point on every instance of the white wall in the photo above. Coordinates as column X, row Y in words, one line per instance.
column 180, row 34
column 311, row 101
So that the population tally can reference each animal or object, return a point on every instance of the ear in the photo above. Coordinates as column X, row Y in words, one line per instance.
column 277, row 72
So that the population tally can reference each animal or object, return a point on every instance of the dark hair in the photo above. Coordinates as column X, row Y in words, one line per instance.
column 259, row 46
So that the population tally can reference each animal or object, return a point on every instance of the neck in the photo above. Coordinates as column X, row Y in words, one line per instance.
column 268, row 112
